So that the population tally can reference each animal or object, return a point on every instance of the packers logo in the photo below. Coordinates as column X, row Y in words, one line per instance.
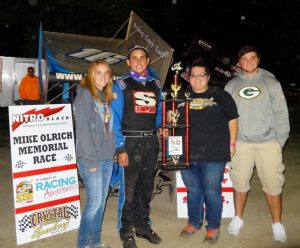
column 249, row 92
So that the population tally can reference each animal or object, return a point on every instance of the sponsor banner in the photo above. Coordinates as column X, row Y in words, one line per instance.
column 41, row 136
column 181, row 204
column 46, row 222
column 44, row 170
column 226, row 183
column 227, row 196
column 34, row 190
column 228, row 205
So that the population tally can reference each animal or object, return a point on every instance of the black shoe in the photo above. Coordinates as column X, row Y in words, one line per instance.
column 129, row 242
column 151, row 236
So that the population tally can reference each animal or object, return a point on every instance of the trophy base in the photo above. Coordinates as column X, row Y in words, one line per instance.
column 171, row 166
column 175, row 126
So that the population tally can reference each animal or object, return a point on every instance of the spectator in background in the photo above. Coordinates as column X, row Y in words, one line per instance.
column 29, row 88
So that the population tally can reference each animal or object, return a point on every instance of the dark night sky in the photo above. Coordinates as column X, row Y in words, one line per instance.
column 271, row 25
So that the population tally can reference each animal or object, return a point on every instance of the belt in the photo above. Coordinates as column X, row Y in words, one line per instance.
column 139, row 133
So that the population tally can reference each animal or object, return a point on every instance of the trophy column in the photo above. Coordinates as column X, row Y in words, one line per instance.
column 175, row 148
column 164, row 122
column 187, row 130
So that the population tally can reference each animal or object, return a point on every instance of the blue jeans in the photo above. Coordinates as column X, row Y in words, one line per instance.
column 121, row 196
column 96, row 186
column 203, row 182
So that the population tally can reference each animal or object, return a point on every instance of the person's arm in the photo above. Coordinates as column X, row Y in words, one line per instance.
column 158, row 121
column 281, row 114
column 117, row 108
column 233, row 130
column 21, row 89
column 230, row 109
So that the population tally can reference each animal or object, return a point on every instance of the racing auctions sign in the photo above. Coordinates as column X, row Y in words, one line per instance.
column 45, row 182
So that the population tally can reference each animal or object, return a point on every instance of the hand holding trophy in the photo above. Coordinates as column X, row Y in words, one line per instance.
column 172, row 117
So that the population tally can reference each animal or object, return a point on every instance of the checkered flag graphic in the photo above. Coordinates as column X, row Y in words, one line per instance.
column 73, row 211
column 25, row 223
column 68, row 157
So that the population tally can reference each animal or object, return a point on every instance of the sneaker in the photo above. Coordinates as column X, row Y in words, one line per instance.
column 188, row 231
column 129, row 242
column 212, row 235
column 235, row 225
column 102, row 245
column 151, row 236
column 279, row 232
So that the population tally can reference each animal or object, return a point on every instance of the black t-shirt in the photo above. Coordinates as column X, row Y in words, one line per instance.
column 210, row 113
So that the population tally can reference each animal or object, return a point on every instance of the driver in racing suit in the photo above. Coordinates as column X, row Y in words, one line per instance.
column 137, row 115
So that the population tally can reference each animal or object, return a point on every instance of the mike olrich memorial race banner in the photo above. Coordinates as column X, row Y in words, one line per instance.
column 44, row 171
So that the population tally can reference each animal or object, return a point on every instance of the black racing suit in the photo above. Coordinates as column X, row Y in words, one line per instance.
column 137, row 114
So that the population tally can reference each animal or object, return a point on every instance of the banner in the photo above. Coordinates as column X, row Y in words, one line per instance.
column 227, row 196
column 44, row 171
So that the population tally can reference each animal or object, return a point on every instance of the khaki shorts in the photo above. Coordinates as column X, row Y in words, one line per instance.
column 267, row 157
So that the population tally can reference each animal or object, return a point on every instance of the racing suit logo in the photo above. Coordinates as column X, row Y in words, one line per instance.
column 144, row 102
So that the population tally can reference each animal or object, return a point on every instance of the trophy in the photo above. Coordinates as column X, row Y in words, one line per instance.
column 175, row 149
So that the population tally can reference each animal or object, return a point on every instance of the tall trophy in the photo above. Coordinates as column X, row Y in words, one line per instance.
column 175, row 148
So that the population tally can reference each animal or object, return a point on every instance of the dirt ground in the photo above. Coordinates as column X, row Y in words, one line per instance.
column 257, row 231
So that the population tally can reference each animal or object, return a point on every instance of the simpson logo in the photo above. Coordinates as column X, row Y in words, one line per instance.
column 249, row 92
column 33, row 115
column 144, row 102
